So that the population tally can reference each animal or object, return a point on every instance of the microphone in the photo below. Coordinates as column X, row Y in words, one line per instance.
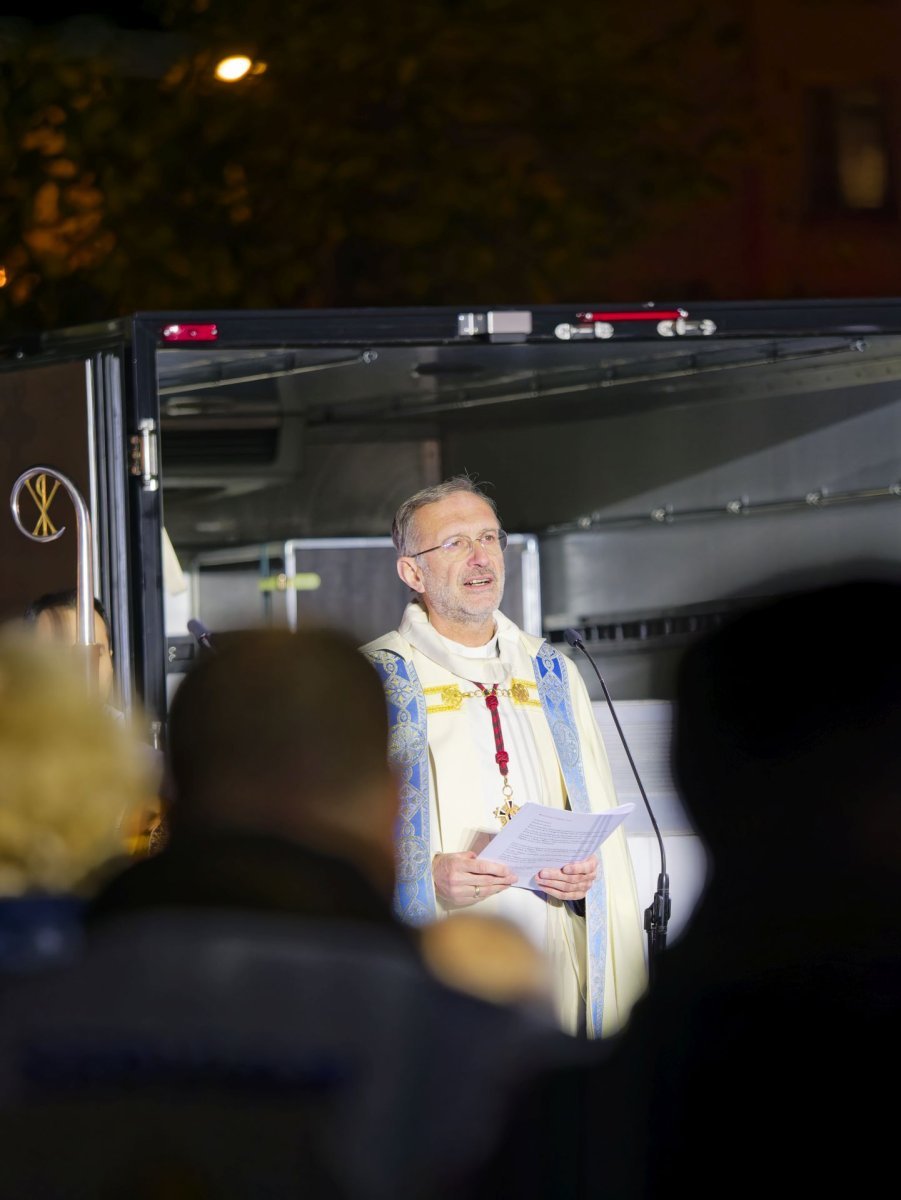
column 656, row 916
column 201, row 635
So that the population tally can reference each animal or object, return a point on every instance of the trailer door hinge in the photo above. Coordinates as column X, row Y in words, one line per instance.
column 145, row 457
column 495, row 326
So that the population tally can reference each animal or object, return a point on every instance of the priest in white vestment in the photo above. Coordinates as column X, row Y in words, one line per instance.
column 486, row 718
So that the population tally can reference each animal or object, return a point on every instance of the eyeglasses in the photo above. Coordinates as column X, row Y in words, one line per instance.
column 492, row 541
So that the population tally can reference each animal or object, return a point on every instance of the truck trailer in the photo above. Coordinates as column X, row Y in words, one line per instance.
column 656, row 465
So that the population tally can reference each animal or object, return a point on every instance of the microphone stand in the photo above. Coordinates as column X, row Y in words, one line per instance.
column 656, row 915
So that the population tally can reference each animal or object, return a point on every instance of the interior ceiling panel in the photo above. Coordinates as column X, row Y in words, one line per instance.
column 250, row 438
column 481, row 383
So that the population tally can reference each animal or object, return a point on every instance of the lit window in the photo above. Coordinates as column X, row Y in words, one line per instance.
column 850, row 167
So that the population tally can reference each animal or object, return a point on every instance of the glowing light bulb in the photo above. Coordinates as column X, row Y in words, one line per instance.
column 233, row 68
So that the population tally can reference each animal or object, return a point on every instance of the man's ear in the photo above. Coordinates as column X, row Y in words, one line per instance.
column 410, row 573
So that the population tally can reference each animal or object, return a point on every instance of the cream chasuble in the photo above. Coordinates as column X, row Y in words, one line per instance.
column 465, row 790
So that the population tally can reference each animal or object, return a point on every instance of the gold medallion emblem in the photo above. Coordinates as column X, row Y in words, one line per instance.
column 42, row 499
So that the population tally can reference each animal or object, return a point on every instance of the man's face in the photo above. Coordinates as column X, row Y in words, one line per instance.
column 457, row 591
column 59, row 625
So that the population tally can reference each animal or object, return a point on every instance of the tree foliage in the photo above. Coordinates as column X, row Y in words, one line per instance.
column 477, row 151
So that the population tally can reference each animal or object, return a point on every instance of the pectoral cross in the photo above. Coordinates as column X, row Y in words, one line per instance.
column 506, row 811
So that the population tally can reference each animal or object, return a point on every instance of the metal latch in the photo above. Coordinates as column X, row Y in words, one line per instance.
column 667, row 323
column 495, row 326
column 145, row 458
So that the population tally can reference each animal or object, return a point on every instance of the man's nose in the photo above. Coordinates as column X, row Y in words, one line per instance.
column 479, row 555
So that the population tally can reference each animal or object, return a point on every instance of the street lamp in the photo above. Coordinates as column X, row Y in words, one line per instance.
column 237, row 66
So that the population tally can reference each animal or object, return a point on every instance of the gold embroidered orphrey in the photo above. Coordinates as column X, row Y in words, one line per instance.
column 38, row 492
column 452, row 695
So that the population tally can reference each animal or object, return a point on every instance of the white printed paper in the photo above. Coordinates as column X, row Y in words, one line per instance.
column 539, row 837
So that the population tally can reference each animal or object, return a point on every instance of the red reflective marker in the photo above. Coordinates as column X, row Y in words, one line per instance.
column 190, row 333
column 645, row 314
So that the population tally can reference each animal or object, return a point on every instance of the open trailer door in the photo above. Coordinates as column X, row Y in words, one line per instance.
column 73, row 411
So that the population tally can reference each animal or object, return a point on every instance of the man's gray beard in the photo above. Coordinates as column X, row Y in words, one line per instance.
column 447, row 608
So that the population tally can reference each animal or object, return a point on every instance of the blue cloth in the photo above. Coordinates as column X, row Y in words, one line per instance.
column 408, row 750
column 39, row 931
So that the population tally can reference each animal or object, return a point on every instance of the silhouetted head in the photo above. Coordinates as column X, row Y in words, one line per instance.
column 286, row 734
column 788, row 726
column 71, row 780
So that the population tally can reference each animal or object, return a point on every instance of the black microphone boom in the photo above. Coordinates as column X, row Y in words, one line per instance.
column 656, row 916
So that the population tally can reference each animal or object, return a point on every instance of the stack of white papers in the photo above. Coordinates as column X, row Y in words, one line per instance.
column 539, row 837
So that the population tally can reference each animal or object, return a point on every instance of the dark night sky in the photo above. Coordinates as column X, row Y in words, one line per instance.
column 125, row 15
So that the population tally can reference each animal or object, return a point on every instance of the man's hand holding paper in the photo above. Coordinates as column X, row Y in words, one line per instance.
column 463, row 879
column 553, row 850
column 572, row 882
